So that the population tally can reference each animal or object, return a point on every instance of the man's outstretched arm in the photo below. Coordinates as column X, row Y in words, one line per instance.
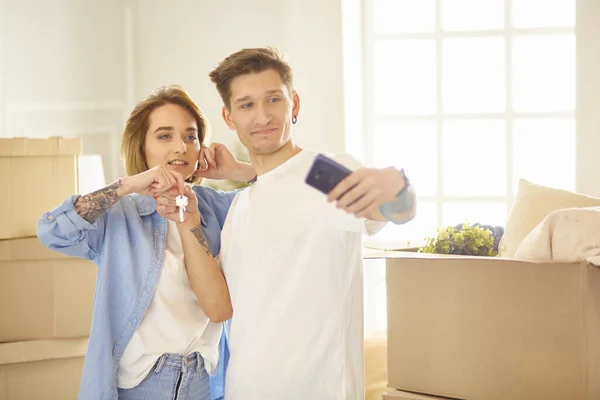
column 378, row 194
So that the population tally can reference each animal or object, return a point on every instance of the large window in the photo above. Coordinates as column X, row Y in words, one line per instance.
column 469, row 96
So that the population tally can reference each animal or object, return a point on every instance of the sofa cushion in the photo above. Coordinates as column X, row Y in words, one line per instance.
column 532, row 205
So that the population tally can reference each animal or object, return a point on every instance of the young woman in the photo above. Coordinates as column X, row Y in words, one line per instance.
column 160, row 294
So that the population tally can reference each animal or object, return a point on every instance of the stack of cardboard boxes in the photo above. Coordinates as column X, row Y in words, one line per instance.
column 45, row 297
column 480, row 328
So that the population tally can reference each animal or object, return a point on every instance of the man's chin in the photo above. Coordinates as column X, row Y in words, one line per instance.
column 265, row 149
column 261, row 151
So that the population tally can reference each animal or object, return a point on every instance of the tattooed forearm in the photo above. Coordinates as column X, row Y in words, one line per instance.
column 91, row 206
column 197, row 231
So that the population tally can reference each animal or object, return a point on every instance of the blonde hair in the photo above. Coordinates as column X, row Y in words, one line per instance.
column 248, row 61
column 134, row 135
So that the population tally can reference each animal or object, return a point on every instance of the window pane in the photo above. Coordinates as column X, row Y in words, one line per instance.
column 404, row 77
column 475, row 158
column 544, row 73
column 494, row 214
column 544, row 152
column 482, row 15
column 404, row 16
column 473, row 75
column 423, row 225
column 543, row 13
column 412, row 146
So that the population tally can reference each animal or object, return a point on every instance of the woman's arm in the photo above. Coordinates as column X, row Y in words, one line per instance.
column 76, row 227
column 204, row 272
column 152, row 181
column 91, row 206
column 65, row 231
column 206, row 278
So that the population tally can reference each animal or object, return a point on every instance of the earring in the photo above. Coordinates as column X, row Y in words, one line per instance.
column 294, row 119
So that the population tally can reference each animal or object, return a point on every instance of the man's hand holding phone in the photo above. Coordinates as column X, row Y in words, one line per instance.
column 366, row 189
column 361, row 192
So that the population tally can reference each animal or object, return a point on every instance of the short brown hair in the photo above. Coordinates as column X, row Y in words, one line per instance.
column 134, row 135
column 248, row 61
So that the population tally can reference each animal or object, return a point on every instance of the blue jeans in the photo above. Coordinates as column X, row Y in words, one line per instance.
column 172, row 377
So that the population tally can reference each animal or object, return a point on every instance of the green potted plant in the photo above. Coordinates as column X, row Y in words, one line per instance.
column 464, row 239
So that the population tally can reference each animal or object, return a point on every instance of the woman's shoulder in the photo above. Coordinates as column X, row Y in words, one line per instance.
column 216, row 202
column 212, row 196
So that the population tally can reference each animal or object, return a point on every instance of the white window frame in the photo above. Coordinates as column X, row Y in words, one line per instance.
column 508, row 33
column 357, row 14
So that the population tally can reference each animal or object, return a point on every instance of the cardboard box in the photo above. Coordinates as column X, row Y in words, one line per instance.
column 401, row 395
column 492, row 328
column 44, row 369
column 43, row 294
column 35, row 176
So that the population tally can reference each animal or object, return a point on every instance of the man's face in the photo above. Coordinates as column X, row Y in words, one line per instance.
column 261, row 111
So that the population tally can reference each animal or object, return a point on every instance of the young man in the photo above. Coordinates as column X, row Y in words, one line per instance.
column 292, row 259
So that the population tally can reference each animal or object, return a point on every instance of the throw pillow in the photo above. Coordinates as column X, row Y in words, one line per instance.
column 532, row 205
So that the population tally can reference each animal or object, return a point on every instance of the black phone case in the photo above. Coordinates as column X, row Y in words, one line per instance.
column 325, row 174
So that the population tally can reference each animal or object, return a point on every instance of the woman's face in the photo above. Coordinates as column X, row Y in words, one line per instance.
column 172, row 140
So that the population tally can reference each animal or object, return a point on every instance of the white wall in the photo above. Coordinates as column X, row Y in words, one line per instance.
column 183, row 44
column 61, row 71
column 77, row 67
column 588, row 96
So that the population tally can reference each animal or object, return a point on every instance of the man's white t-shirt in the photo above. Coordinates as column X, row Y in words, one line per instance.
column 174, row 322
column 294, row 268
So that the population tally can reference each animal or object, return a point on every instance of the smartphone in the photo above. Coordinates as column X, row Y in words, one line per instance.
column 325, row 174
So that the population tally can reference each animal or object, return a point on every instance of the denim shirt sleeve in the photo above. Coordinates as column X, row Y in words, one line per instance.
column 395, row 210
column 65, row 231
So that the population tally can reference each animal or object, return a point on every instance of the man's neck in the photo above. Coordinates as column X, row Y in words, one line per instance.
column 264, row 163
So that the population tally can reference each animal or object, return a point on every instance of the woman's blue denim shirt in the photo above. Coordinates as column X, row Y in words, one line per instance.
column 127, row 243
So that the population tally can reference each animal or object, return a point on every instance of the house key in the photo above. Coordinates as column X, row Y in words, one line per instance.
column 181, row 201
